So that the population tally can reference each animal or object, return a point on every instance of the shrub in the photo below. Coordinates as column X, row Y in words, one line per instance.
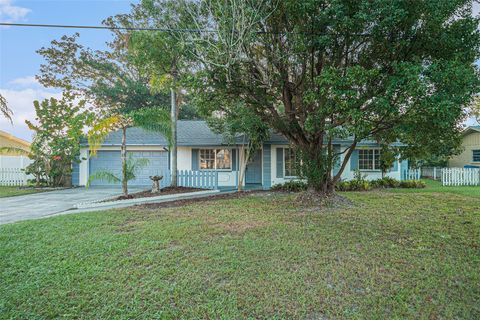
column 412, row 184
column 385, row 182
column 353, row 185
column 291, row 186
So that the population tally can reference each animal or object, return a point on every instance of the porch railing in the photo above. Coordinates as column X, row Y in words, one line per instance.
column 197, row 179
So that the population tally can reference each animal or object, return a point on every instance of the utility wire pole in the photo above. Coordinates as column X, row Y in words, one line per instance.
column 173, row 153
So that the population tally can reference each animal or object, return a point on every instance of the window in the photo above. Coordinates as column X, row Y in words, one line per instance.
column 290, row 158
column 215, row 159
column 369, row 159
column 476, row 155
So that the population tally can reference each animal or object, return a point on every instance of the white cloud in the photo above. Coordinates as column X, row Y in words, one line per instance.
column 12, row 13
column 21, row 103
column 24, row 81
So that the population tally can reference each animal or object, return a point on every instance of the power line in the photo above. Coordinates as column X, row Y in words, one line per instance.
column 35, row 25
column 177, row 30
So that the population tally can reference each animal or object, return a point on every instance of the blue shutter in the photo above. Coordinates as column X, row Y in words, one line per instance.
column 195, row 159
column 279, row 162
column 234, row 159
column 403, row 168
column 354, row 160
column 267, row 166
column 337, row 164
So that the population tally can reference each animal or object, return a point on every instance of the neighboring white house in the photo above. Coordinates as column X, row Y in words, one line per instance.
column 9, row 158
column 200, row 149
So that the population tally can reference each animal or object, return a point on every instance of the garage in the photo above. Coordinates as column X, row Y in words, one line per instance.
column 111, row 161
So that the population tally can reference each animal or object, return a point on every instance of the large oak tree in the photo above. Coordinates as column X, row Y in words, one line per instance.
column 314, row 70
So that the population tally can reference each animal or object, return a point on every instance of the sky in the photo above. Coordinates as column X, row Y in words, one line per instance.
column 19, row 61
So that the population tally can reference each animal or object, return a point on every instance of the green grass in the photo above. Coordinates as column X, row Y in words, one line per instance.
column 16, row 191
column 390, row 256
column 436, row 186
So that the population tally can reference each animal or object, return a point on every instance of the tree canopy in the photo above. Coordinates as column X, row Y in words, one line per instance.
column 319, row 69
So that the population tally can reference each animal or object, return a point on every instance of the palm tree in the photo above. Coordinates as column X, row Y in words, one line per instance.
column 131, row 168
column 152, row 119
column 5, row 110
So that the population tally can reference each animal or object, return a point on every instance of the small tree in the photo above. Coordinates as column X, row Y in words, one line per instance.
column 388, row 156
column 129, row 173
column 239, row 126
column 56, row 143
column 152, row 119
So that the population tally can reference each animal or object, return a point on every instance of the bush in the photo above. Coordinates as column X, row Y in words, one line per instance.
column 385, row 182
column 416, row 184
column 353, row 185
column 291, row 186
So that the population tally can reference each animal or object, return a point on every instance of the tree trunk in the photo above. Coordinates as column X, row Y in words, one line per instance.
column 123, row 155
column 243, row 166
column 318, row 179
column 173, row 151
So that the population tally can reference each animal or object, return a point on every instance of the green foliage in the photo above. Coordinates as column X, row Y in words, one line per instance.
column 291, row 186
column 353, row 185
column 113, row 79
column 4, row 109
column 132, row 168
column 385, row 182
column 56, row 143
column 403, row 70
column 417, row 184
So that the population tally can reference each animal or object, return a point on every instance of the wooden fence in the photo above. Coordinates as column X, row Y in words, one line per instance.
column 460, row 177
column 192, row 179
column 12, row 177
column 432, row 173
column 197, row 179
column 411, row 174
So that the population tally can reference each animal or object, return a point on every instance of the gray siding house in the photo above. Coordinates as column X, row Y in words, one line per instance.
column 200, row 149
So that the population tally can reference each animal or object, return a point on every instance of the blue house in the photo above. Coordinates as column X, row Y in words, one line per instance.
column 201, row 150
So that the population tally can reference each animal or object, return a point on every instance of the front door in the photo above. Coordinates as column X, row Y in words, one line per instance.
column 253, row 172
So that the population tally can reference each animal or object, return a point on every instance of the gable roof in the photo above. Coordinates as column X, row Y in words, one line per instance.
column 196, row 133
column 470, row 129
column 189, row 133
column 9, row 140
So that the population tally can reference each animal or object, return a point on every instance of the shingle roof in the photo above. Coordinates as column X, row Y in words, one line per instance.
column 189, row 133
column 195, row 133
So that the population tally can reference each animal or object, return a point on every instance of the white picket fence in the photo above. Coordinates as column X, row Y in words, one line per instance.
column 198, row 179
column 460, row 177
column 12, row 177
column 412, row 174
column 432, row 173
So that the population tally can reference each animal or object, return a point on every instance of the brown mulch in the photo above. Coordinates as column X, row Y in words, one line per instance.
column 221, row 196
column 165, row 191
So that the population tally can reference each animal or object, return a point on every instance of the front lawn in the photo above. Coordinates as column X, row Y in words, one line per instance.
column 436, row 186
column 16, row 191
column 390, row 256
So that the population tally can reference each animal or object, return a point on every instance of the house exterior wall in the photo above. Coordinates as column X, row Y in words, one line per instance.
column 347, row 174
column 470, row 142
column 8, row 140
column 226, row 178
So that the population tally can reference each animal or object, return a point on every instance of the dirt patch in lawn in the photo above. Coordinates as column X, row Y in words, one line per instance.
column 221, row 196
column 165, row 191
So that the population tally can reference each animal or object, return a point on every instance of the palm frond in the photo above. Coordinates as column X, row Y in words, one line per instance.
column 14, row 150
column 5, row 110
column 154, row 119
column 103, row 176
column 100, row 131
column 133, row 165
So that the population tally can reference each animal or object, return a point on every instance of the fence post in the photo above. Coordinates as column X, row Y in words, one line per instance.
column 216, row 179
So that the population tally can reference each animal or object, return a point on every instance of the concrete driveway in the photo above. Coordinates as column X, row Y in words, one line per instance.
column 38, row 205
